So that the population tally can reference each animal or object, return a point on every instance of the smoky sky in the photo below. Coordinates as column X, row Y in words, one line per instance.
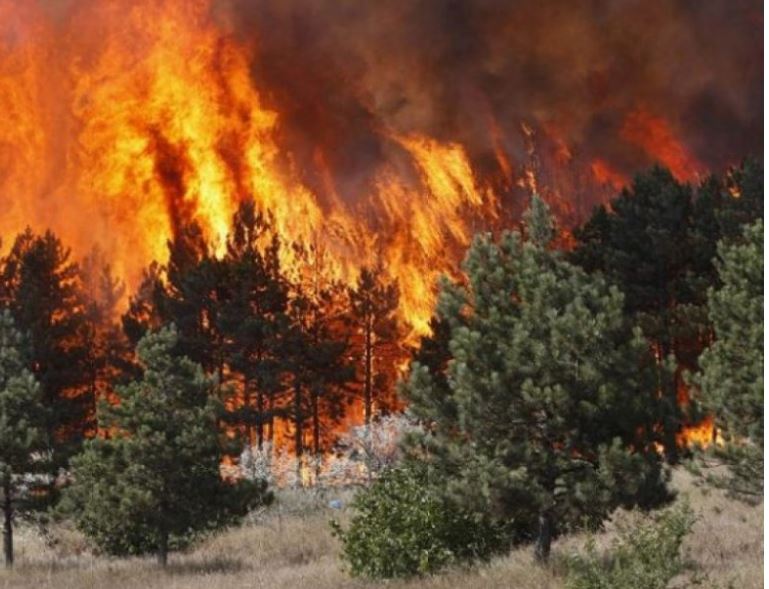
column 343, row 74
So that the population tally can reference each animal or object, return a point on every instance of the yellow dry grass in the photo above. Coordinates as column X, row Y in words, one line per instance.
column 291, row 547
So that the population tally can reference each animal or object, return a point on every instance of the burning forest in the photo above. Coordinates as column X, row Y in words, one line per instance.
column 383, row 134
column 268, row 204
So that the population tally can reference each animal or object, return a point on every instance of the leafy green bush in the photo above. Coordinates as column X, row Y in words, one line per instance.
column 646, row 556
column 402, row 527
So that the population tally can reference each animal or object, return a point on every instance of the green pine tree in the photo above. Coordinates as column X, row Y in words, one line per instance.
column 151, row 482
column 22, row 431
column 644, row 246
column 731, row 380
column 551, row 410
column 42, row 287
column 657, row 242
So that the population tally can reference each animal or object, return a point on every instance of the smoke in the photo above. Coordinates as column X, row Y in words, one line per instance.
column 394, row 128
column 344, row 75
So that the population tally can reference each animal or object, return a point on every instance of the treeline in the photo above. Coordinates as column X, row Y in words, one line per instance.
column 294, row 345
column 520, row 349
column 556, row 383
column 657, row 242
column 286, row 344
column 285, row 350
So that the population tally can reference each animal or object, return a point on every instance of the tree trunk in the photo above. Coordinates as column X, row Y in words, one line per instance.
column 163, row 549
column 316, row 431
column 260, row 417
column 8, row 524
column 368, row 377
column 544, row 536
column 298, row 433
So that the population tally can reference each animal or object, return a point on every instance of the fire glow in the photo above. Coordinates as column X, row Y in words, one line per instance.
column 124, row 120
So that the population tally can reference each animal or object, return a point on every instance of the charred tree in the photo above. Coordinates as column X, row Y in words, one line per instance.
column 373, row 306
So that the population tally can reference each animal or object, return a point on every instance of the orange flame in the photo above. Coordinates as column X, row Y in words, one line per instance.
column 701, row 434
column 605, row 174
column 658, row 139
column 151, row 118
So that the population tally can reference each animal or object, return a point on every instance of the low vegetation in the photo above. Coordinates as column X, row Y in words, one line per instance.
column 645, row 555
column 289, row 545
column 402, row 527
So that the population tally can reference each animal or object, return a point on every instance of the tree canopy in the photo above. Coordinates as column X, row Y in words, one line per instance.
column 551, row 404
column 151, row 482
column 731, row 380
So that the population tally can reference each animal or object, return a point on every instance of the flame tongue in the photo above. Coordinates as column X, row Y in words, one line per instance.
column 161, row 124
column 124, row 120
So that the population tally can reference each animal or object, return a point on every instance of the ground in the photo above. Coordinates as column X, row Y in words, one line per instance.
column 290, row 546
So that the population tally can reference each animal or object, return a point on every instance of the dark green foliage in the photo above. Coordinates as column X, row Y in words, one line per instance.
column 42, row 288
column 744, row 186
column 193, row 299
column 434, row 354
column 657, row 242
column 722, row 207
column 640, row 246
column 731, row 381
column 254, row 319
column 403, row 526
column 22, row 428
column 143, row 312
column 550, row 413
column 645, row 556
column 151, row 481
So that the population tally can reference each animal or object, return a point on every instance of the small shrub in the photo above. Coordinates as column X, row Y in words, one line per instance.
column 403, row 527
column 646, row 556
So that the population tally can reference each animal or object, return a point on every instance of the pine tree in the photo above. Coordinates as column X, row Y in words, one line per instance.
column 724, row 205
column 151, row 481
column 643, row 245
column 657, row 243
column 254, row 318
column 551, row 414
column 373, row 303
column 143, row 314
column 22, row 432
column 731, row 379
column 194, row 297
column 314, row 351
column 42, row 288
column 434, row 355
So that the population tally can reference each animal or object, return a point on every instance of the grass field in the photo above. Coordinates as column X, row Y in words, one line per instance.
column 290, row 546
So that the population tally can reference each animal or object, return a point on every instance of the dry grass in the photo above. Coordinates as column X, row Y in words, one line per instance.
column 291, row 547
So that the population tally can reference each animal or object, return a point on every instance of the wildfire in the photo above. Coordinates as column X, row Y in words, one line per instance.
column 159, row 122
column 123, row 120
column 701, row 434
column 657, row 138
column 605, row 174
